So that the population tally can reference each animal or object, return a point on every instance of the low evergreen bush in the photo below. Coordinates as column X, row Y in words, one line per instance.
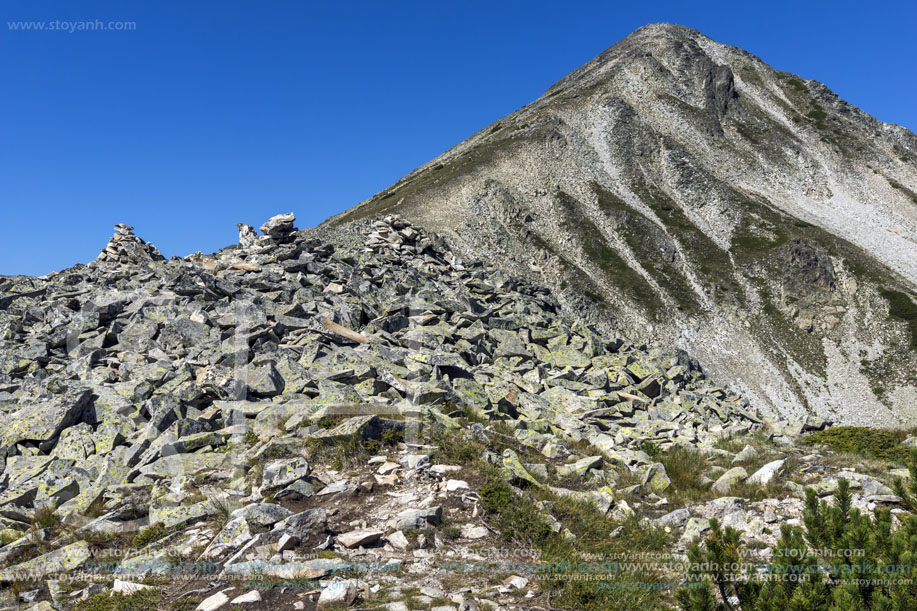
column 839, row 560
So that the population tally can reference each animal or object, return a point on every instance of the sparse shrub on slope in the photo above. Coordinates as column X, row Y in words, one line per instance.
column 901, row 306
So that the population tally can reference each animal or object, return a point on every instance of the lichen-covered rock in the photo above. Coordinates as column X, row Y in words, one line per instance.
column 55, row 562
column 656, row 479
column 766, row 473
column 180, row 515
column 580, row 467
column 75, row 443
column 281, row 473
column 44, row 421
column 729, row 479
column 747, row 453
column 262, row 514
column 304, row 524
column 231, row 537
column 513, row 469
column 182, row 464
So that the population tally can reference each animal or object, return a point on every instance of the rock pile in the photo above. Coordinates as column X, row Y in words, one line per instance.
column 277, row 230
column 126, row 248
column 155, row 394
column 279, row 227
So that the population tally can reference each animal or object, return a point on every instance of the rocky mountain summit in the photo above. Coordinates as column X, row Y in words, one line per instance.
column 681, row 191
column 358, row 416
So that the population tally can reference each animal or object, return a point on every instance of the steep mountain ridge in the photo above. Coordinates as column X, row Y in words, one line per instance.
column 680, row 190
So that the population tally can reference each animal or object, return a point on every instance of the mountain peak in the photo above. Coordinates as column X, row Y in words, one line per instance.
column 664, row 30
column 659, row 189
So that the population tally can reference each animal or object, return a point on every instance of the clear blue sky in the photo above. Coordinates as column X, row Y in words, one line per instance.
column 213, row 113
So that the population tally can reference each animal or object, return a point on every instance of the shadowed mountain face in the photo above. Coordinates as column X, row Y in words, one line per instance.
column 682, row 191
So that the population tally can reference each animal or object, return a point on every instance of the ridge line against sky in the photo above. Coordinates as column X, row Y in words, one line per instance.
column 204, row 114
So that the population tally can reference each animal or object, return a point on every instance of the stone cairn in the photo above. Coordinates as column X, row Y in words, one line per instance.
column 124, row 247
column 277, row 230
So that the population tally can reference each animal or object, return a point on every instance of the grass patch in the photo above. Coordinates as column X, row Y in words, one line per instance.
column 46, row 517
column 757, row 440
column 793, row 81
column 686, row 469
column 521, row 521
column 817, row 114
column 649, row 448
column 604, row 257
column 650, row 245
column 351, row 452
column 901, row 306
column 459, row 453
column 452, row 532
column 222, row 511
column 8, row 536
column 144, row 600
column 251, row 438
column 148, row 535
column 747, row 132
column 881, row 444
column 897, row 185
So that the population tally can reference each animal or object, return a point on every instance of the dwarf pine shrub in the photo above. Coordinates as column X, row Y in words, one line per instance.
column 839, row 560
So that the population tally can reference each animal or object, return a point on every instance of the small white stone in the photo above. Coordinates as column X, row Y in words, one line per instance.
column 398, row 540
column 432, row 591
column 356, row 538
column 443, row 469
column 286, row 542
column 456, row 484
column 515, row 581
column 128, row 587
column 766, row 473
column 470, row 531
column 214, row 602
column 339, row 593
column 249, row 597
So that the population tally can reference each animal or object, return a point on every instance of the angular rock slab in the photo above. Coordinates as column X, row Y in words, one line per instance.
column 357, row 538
column 44, row 422
column 56, row 562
